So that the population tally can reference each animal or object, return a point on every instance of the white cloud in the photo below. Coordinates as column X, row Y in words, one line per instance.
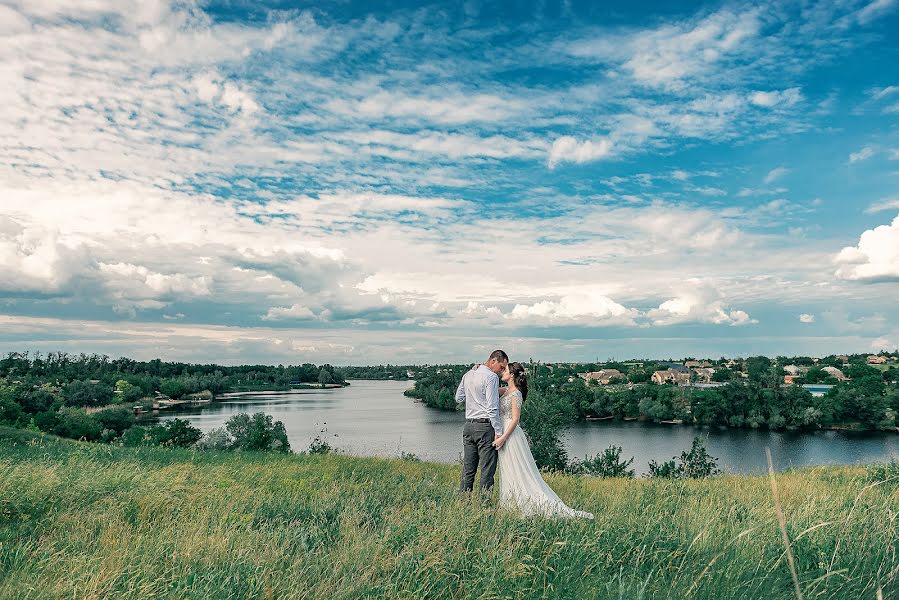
column 875, row 257
column 775, row 174
column 569, row 149
column 787, row 97
column 449, row 108
column 294, row 312
column 863, row 154
column 672, row 53
column 698, row 303
column 885, row 204
column 585, row 309
column 884, row 92
column 806, row 318
column 874, row 9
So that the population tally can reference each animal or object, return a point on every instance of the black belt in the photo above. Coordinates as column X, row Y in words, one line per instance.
column 477, row 420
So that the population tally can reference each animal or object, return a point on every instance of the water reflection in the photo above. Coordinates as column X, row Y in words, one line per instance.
column 373, row 418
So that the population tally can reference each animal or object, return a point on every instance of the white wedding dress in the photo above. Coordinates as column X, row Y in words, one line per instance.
column 520, row 484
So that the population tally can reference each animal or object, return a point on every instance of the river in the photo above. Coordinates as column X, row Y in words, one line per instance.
column 374, row 418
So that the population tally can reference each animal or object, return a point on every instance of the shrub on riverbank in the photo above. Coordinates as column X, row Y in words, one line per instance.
column 93, row 520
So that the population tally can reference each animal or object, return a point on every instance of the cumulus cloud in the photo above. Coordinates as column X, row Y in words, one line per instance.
column 698, row 303
column 585, row 309
column 771, row 99
column 569, row 149
column 806, row 318
column 875, row 258
column 294, row 312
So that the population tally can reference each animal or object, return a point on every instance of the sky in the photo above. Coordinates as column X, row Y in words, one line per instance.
column 365, row 183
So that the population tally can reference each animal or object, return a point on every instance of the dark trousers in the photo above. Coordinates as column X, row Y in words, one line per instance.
column 477, row 449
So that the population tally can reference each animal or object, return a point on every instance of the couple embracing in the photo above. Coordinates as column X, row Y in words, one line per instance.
column 492, row 438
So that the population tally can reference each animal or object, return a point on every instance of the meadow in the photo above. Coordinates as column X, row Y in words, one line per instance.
column 82, row 520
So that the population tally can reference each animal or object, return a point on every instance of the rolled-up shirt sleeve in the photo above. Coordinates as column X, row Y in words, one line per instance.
column 492, row 394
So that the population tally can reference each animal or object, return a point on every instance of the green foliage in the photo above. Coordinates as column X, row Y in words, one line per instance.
column 257, row 432
column 216, row 439
column 11, row 413
column 436, row 386
column 116, row 419
column 543, row 418
column 696, row 463
column 664, row 470
column 76, row 424
column 128, row 392
column 607, row 464
column 85, row 393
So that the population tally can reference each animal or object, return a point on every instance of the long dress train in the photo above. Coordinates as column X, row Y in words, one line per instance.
column 520, row 484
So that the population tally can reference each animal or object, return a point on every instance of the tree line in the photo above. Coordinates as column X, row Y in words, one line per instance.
column 50, row 392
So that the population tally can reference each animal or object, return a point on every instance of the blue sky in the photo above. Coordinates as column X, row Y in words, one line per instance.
column 279, row 182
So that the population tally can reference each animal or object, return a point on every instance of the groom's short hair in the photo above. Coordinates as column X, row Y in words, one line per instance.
column 499, row 356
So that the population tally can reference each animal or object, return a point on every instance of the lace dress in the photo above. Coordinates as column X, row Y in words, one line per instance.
column 520, row 484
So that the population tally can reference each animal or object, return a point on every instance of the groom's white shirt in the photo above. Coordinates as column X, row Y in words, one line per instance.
column 479, row 391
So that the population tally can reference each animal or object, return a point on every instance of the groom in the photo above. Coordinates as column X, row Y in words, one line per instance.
column 479, row 391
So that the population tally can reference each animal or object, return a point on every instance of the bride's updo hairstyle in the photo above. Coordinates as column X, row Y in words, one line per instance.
column 520, row 379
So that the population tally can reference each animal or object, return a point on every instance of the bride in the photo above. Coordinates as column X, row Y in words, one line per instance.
column 520, row 483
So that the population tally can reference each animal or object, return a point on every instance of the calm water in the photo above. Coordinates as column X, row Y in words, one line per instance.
column 374, row 418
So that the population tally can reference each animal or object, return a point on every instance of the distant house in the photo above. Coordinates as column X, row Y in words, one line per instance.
column 835, row 373
column 876, row 360
column 790, row 379
column 674, row 366
column 843, row 358
column 603, row 376
column 695, row 364
column 795, row 370
column 704, row 374
column 670, row 376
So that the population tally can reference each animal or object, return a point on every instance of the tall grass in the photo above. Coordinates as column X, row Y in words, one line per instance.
column 94, row 521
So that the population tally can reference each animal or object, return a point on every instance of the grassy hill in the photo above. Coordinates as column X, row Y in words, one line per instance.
column 90, row 521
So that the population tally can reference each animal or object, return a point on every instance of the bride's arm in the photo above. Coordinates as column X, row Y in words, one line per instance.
column 503, row 390
column 513, row 423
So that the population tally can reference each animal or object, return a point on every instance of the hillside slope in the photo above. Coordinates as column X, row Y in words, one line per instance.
column 92, row 521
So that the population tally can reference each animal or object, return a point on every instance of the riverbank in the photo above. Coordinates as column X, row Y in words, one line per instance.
column 97, row 521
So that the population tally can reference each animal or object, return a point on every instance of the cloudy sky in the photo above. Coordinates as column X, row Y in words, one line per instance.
column 242, row 182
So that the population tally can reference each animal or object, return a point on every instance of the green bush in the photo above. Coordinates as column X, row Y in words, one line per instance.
column 607, row 464
column 116, row 419
column 76, row 424
column 695, row 464
column 257, row 432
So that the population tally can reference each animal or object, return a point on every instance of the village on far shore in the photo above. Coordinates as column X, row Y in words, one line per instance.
column 701, row 373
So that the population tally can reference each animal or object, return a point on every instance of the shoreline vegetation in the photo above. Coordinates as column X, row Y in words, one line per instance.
column 95, row 398
column 97, row 520
column 753, row 393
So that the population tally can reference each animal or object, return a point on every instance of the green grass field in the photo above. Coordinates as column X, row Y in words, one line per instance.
column 91, row 521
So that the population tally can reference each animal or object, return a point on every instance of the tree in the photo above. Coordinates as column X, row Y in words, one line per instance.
column 543, row 416
column 325, row 377
column 128, row 392
column 85, row 393
column 178, row 433
column 76, row 424
column 259, row 432
column 116, row 419
column 11, row 413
